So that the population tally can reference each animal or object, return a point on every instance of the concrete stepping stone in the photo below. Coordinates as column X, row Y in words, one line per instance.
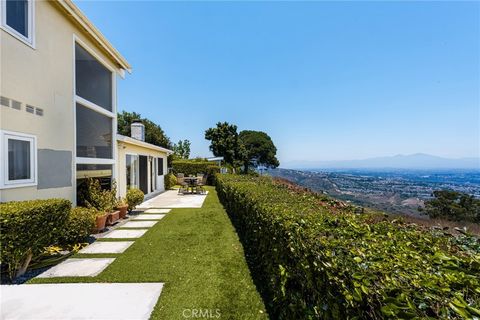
column 149, row 217
column 74, row 267
column 157, row 211
column 139, row 224
column 70, row 301
column 125, row 234
column 107, row 247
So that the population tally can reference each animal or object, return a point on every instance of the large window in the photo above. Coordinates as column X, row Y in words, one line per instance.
column 94, row 134
column 94, row 118
column 93, row 81
column 19, row 164
column 132, row 166
column 17, row 18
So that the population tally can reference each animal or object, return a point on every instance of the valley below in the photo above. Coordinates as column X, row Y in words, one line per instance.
column 389, row 190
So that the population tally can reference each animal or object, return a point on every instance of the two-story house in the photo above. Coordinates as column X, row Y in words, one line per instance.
column 58, row 102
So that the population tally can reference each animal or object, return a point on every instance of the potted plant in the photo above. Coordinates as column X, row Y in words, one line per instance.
column 100, row 220
column 122, row 205
column 103, row 200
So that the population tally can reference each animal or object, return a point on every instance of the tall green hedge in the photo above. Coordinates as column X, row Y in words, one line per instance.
column 192, row 167
column 26, row 227
column 313, row 263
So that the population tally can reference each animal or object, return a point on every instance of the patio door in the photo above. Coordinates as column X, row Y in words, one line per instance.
column 143, row 173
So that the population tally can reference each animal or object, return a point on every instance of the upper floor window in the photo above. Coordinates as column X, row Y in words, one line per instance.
column 93, row 81
column 17, row 18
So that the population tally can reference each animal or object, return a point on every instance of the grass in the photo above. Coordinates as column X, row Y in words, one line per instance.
column 198, row 256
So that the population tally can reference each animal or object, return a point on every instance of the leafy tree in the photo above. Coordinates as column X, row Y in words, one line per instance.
column 182, row 149
column 453, row 205
column 153, row 132
column 259, row 149
column 225, row 143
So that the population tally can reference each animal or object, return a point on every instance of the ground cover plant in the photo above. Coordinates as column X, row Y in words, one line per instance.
column 310, row 261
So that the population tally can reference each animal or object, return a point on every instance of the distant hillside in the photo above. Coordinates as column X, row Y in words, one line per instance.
column 412, row 161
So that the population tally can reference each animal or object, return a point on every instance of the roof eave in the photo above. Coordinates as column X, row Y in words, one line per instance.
column 83, row 21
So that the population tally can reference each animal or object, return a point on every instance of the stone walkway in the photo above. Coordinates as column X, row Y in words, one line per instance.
column 171, row 199
column 93, row 300
column 106, row 301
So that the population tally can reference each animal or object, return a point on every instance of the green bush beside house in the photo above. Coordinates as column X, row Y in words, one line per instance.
column 311, row 262
column 27, row 227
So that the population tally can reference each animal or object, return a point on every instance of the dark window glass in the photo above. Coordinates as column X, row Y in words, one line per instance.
column 101, row 172
column 94, row 134
column 92, row 80
column 17, row 16
column 160, row 166
column 18, row 160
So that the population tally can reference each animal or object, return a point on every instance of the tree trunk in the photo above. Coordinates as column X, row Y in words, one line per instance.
column 25, row 264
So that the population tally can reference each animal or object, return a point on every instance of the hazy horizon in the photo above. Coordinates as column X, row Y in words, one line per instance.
column 326, row 80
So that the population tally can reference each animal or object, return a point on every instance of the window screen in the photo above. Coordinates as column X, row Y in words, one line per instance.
column 19, row 160
column 17, row 16
column 93, row 81
column 94, row 134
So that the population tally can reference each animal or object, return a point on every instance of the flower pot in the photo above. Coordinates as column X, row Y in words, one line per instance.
column 100, row 222
column 113, row 217
column 123, row 211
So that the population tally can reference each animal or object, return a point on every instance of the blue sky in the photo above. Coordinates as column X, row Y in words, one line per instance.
column 326, row 80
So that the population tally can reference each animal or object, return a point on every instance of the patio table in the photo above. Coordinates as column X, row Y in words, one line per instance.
column 192, row 182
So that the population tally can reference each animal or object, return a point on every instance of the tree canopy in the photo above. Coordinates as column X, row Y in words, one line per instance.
column 182, row 149
column 453, row 205
column 154, row 134
column 260, row 149
column 225, row 143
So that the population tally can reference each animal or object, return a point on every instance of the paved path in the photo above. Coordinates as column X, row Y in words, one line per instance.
column 79, row 301
column 96, row 300
column 171, row 199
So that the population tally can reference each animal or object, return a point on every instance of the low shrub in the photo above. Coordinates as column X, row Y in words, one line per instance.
column 26, row 227
column 170, row 181
column 79, row 225
column 212, row 171
column 314, row 262
column 134, row 198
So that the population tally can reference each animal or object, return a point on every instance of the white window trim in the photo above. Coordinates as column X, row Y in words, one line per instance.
column 4, row 182
column 30, row 40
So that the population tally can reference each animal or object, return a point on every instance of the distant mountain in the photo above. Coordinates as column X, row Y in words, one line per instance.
column 412, row 161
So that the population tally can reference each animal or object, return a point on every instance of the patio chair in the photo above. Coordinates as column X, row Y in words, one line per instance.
column 183, row 185
column 200, row 183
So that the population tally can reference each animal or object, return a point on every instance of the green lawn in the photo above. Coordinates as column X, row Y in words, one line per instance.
column 198, row 256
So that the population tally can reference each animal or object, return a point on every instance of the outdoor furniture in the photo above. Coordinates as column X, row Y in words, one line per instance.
column 200, row 183
column 183, row 184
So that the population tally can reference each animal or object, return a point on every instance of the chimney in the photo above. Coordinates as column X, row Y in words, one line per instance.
column 137, row 130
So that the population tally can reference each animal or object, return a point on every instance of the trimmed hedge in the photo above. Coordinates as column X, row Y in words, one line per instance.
column 170, row 181
column 26, row 227
column 79, row 225
column 134, row 198
column 315, row 262
column 192, row 167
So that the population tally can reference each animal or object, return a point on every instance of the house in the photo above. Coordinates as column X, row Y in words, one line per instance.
column 58, row 103
column 140, row 165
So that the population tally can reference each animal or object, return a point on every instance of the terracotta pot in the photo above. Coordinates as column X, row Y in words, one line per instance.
column 123, row 211
column 100, row 222
column 113, row 217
